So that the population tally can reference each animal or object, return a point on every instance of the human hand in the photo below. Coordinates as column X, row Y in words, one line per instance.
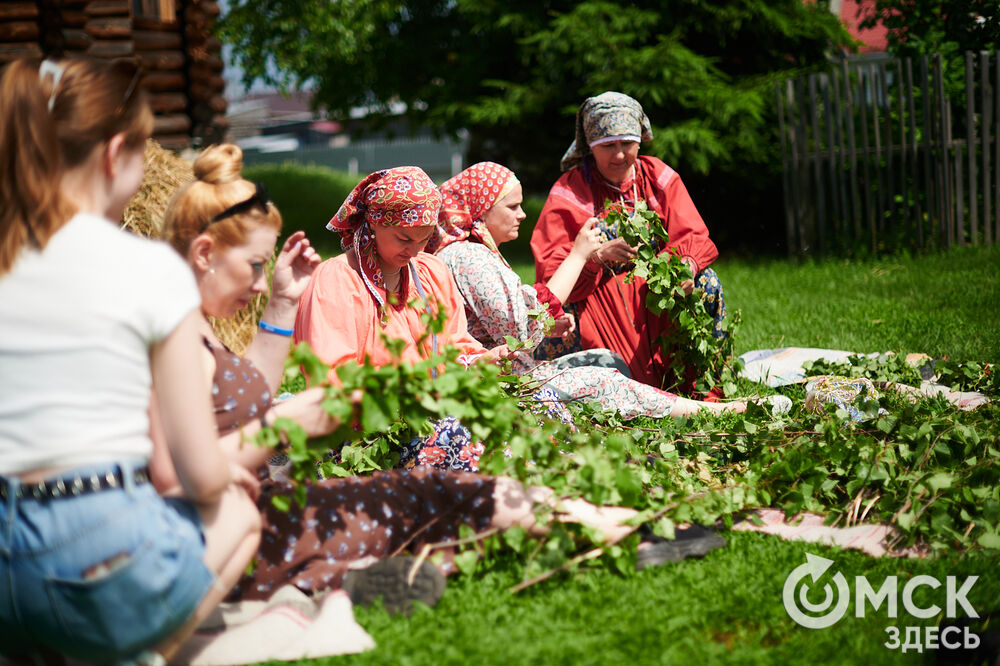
column 588, row 240
column 295, row 263
column 495, row 354
column 306, row 409
column 241, row 477
column 615, row 251
column 564, row 326
column 687, row 286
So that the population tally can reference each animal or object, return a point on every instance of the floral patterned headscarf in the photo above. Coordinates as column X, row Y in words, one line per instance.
column 398, row 197
column 467, row 198
column 611, row 116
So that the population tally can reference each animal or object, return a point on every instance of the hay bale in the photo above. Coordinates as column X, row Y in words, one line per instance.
column 165, row 173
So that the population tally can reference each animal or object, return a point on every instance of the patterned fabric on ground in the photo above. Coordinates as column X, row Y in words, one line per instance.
column 964, row 400
column 289, row 626
column 778, row 367
column 824, row 390
column 497, row 305
column 783, row 366
column 348, row 519
column 872, row 539
column 448, row 447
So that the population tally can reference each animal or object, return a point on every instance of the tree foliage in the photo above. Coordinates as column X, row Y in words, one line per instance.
column 918, row 27
column 927, row 27
column 514, row 72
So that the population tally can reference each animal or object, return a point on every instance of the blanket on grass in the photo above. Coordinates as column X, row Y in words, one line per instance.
column 290, row 626
column 783, row 366
column 809, row 527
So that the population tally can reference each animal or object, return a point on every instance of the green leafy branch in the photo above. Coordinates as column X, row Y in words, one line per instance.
column 696, row 355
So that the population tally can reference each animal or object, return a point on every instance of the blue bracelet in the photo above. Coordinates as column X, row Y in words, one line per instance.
column 287, row 332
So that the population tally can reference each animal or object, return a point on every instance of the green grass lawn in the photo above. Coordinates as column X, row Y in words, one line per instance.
column 726, row 608
column 943, row 304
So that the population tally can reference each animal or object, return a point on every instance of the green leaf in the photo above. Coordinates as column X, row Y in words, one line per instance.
column 940, row 480
column 516, row 537
column 373, row 416
column 989, row 540
column 467, row 562
column 282, row 503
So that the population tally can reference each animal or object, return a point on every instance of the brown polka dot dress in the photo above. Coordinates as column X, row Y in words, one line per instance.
column 343, row 519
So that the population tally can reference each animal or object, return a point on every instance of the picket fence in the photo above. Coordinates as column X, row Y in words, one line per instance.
column 874, row 159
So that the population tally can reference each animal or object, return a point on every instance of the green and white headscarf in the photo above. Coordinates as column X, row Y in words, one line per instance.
column 610, row 116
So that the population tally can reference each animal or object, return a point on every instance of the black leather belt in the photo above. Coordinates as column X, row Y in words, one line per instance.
column 78, row 484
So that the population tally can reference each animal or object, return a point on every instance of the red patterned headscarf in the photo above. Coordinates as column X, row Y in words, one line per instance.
column 467, row 198
column 397, row 197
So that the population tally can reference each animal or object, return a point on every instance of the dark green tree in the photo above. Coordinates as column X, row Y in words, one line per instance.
column 945, row 27
column 514, row 72
column 948, row 27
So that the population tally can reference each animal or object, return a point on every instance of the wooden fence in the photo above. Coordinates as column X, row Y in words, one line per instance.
column 873, row 158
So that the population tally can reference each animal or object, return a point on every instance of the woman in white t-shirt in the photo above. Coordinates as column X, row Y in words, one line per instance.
column 93, row 563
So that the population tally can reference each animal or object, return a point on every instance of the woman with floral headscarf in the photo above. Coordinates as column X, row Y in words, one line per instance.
column 481, row 210
column 603, row 164
column 355, row 297
column 356, row 300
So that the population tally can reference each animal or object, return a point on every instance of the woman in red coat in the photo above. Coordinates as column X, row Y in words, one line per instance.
column 603, row 164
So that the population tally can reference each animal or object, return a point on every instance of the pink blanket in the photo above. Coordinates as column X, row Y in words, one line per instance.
column 872, row 539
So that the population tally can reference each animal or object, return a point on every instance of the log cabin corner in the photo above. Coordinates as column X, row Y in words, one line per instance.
column 172, row 39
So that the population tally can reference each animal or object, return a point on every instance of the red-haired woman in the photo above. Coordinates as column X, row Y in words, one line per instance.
column 96, row 565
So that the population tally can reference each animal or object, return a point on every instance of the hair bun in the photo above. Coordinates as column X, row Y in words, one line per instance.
column 220, row 164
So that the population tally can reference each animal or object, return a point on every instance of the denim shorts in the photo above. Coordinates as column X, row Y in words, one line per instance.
column 100, row 576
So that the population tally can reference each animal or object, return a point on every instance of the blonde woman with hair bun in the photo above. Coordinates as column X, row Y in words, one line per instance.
column 226, row 228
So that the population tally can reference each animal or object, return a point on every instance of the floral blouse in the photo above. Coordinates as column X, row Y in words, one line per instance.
column 497, row 304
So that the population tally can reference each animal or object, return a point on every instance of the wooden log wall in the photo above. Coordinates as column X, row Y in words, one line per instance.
column 20, row 31
column 174, row 44
column 159, row 45
column 206, row 85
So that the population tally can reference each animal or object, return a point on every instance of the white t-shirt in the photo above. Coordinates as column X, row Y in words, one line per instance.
column 77, row 321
